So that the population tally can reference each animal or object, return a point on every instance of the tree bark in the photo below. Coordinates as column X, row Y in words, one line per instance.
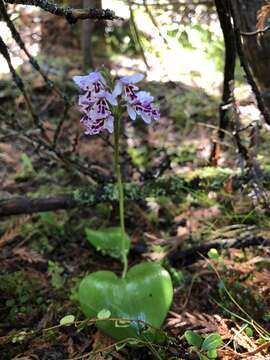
column 257, row 49
column 88, row 28
column 86, row 40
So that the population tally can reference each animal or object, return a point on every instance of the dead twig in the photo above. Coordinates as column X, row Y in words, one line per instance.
column 229, row 70
column 71, row 15
column 190, row 256
column 259, row 349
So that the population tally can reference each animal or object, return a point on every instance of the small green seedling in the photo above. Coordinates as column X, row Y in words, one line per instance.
column 206, row 348
column 67, row 320
column 55, row 271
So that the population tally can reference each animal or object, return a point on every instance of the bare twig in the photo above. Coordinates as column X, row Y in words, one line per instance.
column 34, row 139
column 154, row 22
column 72, row 15
column 256, row 32
column 19, row 82
column 16, row 36
column 259, row 349
column 229, row 70
column 242, row 149
column 136, row 35
column 180, row 3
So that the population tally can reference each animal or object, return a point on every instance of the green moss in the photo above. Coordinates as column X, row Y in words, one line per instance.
column 22, row 293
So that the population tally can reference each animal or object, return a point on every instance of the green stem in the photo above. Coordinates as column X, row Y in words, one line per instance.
column 117, row 170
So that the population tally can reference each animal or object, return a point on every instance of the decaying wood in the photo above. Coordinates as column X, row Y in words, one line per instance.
column 187, row 257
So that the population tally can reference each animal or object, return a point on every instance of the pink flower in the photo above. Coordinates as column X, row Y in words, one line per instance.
column 93, row 84
column 143, row 107
column 94, row 126
column 97, row 116
column 126, row 85
column 96, row 103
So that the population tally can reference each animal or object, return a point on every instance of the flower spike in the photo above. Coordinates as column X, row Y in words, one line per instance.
column 97, row 102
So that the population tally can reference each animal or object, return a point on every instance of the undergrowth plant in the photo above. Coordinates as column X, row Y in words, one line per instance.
column 140, row 299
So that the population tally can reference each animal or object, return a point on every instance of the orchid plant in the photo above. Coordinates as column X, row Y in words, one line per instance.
column 103, row 104
column 102, row 107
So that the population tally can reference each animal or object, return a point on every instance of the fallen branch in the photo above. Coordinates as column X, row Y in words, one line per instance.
column 26, row 205
column 190, row 256
column 72, row 15
column 164, row 186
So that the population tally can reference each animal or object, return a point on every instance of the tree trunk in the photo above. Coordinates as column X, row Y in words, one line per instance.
column 88, row 28
column 257, row 49
column 86, row 39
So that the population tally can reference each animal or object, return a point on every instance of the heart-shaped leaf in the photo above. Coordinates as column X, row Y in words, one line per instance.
column 109, row 241
column 144, row 296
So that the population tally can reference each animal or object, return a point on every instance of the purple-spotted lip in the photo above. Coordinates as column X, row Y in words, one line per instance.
column 97, row 101
column 130, row 92
column 95, row 126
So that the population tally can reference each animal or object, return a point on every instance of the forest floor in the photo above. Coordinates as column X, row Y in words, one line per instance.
column 217, row 288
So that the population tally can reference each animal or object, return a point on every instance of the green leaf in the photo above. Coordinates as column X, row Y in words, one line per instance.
column 27, row 163
column 104, row 314
column 212, row 342
column 143, row 297
column 193, row 338
column 213, row 254
column 48, row 218
column 67, row 320
column 212, row 354
column 109, row 241
column 249, row 331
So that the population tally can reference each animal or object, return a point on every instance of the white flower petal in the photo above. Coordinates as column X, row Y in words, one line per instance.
column 108, row 96
column 112, row 100
column 94, row 115
column 105, row 95
column 117, row 89
column 132, row 79
column 83, row 100
column 86, row 82
column 102, row 94
column 109, row 122
column 81, row 81
column 145, row 97
column 131, row 113
column 146, row 118
column 94, row 76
